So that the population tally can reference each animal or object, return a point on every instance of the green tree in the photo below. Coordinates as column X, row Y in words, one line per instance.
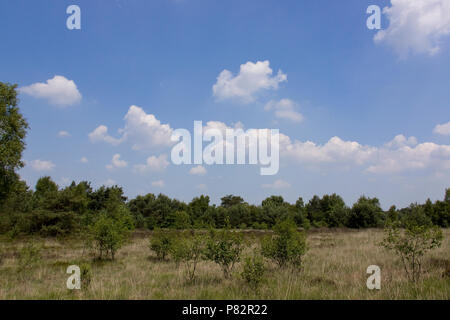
column 13, row 129
column 230, row 200
column 366, row 213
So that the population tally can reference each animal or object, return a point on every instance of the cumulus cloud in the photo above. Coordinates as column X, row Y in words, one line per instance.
column 251, row 79
column 442, row 129
column 417, row 26
column 335, row 150
column 153, row 163
column 198, row 170
column 58, row 91
column 158, row 183
column 116, row 163
column 277, row 184
column 141, row 129
column 100, row 134
column 42, row 165
column 284, row 109
column 401, row 141
column 399, row 155
column 422, row 156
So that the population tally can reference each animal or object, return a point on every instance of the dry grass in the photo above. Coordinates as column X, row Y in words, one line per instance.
column 334, row 268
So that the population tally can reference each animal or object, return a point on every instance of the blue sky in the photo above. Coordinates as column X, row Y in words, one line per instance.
column 364, row 87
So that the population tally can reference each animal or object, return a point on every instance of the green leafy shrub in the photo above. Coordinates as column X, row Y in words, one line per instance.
column 29, row 256
column 287, row 246
column 224, row 247
column 190, row 251
column 411, row 244
column 161, row 243
column 107, row 235
column 253, row 271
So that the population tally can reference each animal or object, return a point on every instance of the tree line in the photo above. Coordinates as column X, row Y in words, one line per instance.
column 52, row 211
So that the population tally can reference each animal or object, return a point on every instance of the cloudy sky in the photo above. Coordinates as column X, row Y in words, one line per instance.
column 359, row 111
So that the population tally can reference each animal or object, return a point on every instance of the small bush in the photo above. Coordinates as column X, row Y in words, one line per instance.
column 253, row 271
column 107, row 235
column 161, row 243
column 29, row 256
column 224, row 248
column 287, row 246
column 411, row 244
column 191, row 251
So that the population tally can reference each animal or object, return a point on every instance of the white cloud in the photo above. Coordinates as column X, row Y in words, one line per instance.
column 422, row 156
column 116, row 162
column 401, row 141
column 335, row 150
column 63, row 134
column 198, row 170
column 42, row 165
column 416, row 26
column 442, row 129
column 153, row 164
column 100, row 134
column 397, row 156
column 277, row 184
column 251, row 79
column 159, row 183
column 142, row 130
column 284, row 109
column 58, row 91
column 84, row 160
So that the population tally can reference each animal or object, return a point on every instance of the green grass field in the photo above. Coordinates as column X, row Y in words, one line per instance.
column 334, row 268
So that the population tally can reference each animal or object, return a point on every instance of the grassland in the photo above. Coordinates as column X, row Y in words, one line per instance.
column 334, row 268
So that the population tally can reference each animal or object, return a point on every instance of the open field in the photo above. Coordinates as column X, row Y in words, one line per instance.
column 334, row 268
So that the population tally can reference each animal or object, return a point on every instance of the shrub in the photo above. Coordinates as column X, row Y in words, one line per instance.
column 161, row 243
column 191, row 251
column 287, row 246
column 107, row 235
column 29, row 256
column 253, row 271
column 224, row 247
column 411, row 244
